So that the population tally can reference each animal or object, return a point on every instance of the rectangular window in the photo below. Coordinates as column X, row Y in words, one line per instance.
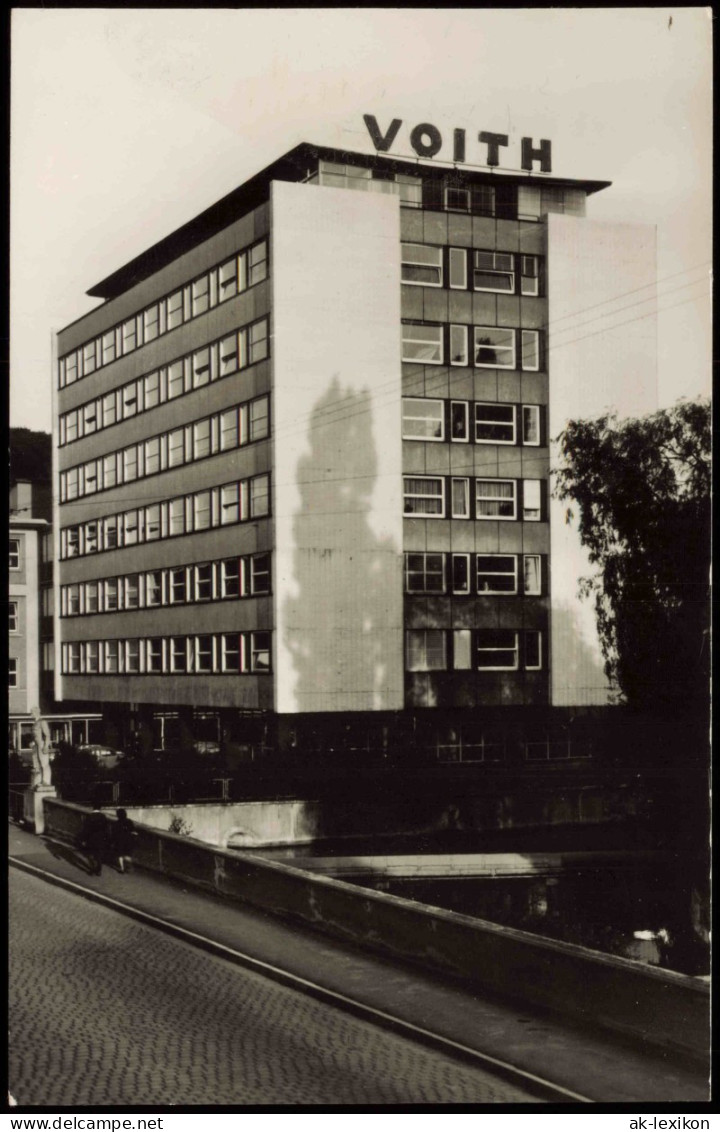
column 201, row 439
column 178, row 654
column 422, row 419
column 421, row 265
column 72, row 606
column 73, row 656
column 496, row 650
column 152, row 455
column 530, row 349
column 129, row 400
column 14, row 562
column 460, row 494
column 12, row 672
column 91, row 597
column 483, row 200
column 460, row 573
column 458, row 269
column 112, row 656
column 154, row 655
column 152, row 522
column 494, row 424
column 200, row 296
column 228, row 429
column 72, row 542
column 410, row 190
column 495, row 499
column 130, row 464
column 259, row 496
column 532, row 502
column 110, row 532
column 129, row 335
column 424, row 496
column 496, row 573
column 90, row 478
column 258, row 341
column 494, row 347
column 260, row 574
column 92, row 656
column 201, row 367
column 230, row 660
column 260, row 652
column 174, row 310
column 227, row 279
column 228, row 355
column 109, row 470
column 71, row 484
column 175, row 380
column 131, row 532
column 109, row 409
column 532, row 577
column 153, row 588
column 457, row 199
column 257, row 263
column 459, row 426
column 151, row 325
column 493, row 271
column 71, row 426
column 203, row 654
column 532, row 640
column 13, row 623
column 459, row 345
column 89, row 359
column 71, row 368
column 462, row 649
column 201, row 511
column 259, row 418
column 90, row 420
column 152, row 390
column 132, row 591
column 424, row 574
column 531, row 424
column 203, row 582
column 425, row 650
column 529, row 275
column 176, row 516
column 176, row 448
column 230, row 578
column 178, row 592
column 422, row 343
column 132, row 656
column 229, row 504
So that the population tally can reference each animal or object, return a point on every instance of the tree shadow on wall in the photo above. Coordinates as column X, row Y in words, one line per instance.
column 338, row 624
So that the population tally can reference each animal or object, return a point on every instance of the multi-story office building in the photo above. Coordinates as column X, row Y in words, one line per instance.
column 303, row 448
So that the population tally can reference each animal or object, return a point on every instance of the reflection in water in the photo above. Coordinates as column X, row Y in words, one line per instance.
column 642, row 913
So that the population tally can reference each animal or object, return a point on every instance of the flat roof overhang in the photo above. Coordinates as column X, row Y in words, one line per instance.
column 293, row 166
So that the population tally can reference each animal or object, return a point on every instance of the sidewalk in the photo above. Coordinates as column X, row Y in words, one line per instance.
column 584, row 1063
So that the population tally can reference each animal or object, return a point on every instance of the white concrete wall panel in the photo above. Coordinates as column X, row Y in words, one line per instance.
column 602, row 357
column 337, row 463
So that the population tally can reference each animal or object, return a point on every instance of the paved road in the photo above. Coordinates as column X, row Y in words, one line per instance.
column 106, row 1011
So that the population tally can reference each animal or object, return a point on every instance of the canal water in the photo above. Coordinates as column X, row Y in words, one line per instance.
column 653, row 914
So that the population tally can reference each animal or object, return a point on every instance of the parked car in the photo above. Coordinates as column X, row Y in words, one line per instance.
column 105, row 757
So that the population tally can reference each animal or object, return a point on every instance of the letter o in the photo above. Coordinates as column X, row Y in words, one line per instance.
column 422, row 148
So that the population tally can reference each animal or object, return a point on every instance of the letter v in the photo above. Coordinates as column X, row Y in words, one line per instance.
column 382, row 144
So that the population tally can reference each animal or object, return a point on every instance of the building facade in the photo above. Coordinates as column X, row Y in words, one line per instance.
column 303, row 448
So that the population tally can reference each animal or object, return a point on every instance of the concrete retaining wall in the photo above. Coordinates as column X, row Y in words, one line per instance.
column 659, row 1007
column 246, row 823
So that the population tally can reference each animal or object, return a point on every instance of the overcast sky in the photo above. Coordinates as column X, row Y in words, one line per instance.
column 128, row 122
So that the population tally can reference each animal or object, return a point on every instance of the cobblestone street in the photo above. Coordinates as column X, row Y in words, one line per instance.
column 105, row 1011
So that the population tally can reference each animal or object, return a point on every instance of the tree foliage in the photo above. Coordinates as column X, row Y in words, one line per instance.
column 641, row 490
column 30, row 455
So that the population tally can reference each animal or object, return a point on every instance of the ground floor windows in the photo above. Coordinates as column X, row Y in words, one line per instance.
column 205, row 653
column 481, row 650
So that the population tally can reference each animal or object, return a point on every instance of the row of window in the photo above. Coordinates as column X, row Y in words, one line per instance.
column 487, row 650
column 431, row 572
column 484, row 422
column 248, row 576
column 485, row 347
column 426, row 265
column 215, row 286
column 521, row 202
column 232, row 428
column 217, row 652
column 219, row 359
column 237, row 502
column 441, row 497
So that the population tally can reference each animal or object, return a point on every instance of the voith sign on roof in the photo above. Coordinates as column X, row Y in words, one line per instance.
column 427, row 141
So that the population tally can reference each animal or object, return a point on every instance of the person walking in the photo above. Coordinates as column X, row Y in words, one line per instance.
column 94, row 838
column 123, row 835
